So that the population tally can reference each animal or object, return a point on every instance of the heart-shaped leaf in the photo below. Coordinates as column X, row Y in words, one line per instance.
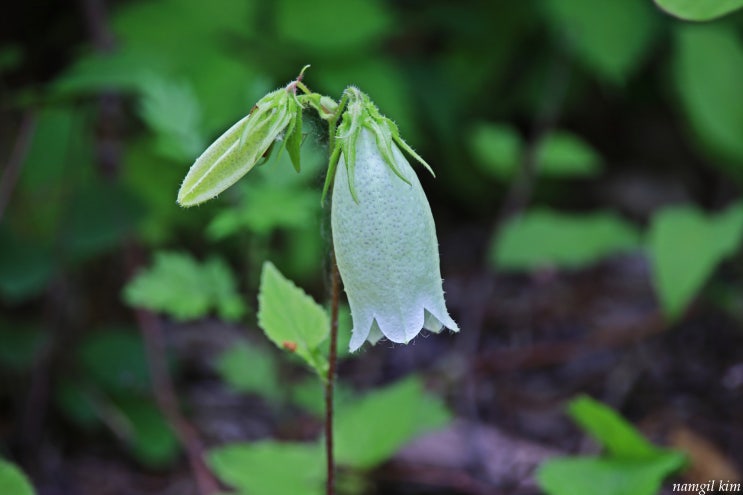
column 685, row 247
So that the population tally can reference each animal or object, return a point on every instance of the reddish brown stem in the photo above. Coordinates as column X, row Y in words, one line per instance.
column 330, row 380
column 167, row 402
column 164, row 391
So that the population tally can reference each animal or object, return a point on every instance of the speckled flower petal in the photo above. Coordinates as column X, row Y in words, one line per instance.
column 386, row 248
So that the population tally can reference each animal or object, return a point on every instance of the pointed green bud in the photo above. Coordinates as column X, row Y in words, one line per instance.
column 276, row 116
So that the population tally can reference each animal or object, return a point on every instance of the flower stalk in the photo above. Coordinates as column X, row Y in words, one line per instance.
column 384, row 247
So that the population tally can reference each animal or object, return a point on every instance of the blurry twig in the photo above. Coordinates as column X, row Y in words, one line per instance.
column 12, row 170
column 548, row 354
column 109, row 159
column 96, row 19
column 520, row 192
column 109, row 104
column 330, row 381
column 167, row 400
column 473, row 317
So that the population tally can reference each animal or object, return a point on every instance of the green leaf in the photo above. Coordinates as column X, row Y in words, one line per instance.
column 610, row 38
column 562, row 154
column 100, row 217
column 685, row 247
column 249, row 369
column 123, row 70
column 25, row 267
column 620, row 439
column 13, row 481
column 155, row 180
column 77, row 403
column 182, row 31
column 698, row 10
column 497, row 149
column 265, row 208
column 148, row 434
column 545, row 238
column 581, row 475
column 291, row 319
column 708, row 68
column 60, row 136
column 115, row 360
column 369, row 431
column 270, row 468
column 630, row 466
column 309, row 394
column 230, row 96
column 186, row 289
column 326, row 27
column 173, row 112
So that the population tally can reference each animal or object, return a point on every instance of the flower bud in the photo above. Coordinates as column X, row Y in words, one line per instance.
column 384, row 238
column 241, row 147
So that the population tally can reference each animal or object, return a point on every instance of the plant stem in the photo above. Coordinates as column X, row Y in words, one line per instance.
column 164, row 389
column 335, row 294
column 330, row 379
column 12, row 171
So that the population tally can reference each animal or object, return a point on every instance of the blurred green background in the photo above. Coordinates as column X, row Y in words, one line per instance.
column 589, row 161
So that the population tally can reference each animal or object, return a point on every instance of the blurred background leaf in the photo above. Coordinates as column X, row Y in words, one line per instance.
column 186, row 289
column 699, row 11
column 371, row 429
column 686, row 246
column 708, row 66
column 13, row 481
column 543, row 238
column 630, row 464
column 267, row 468
column 611, row 41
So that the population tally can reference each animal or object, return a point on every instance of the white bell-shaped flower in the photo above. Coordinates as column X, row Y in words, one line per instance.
column 385, row 243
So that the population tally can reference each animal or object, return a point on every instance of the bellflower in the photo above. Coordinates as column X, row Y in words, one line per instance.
column 383, row 231
column 277, row 115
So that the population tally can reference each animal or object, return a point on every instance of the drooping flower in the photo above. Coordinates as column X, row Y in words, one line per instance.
column 383, row 232
column 277, row 115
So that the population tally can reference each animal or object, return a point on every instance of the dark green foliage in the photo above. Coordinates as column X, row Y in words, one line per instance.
column 185, row 289
column 13, row 481
column 582, row 91
column 110, row 387
column 630, row 465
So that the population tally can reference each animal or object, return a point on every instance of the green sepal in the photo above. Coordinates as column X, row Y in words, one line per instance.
column 326, row 107
column 350, row 157
column 332, row 164
column 294, row 140
column 384, row 142
column 410, row 151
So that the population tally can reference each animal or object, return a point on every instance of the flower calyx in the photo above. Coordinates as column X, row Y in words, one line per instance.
column 361, row 113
